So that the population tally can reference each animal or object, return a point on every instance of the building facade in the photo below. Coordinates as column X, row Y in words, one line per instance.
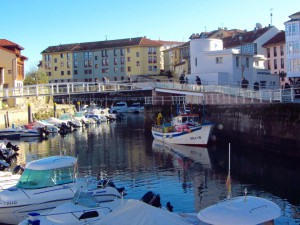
column 292, row 37
column 276, row 56
column 114, row 60
column 12, row 64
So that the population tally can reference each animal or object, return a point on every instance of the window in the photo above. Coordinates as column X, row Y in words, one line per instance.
column 122, row 51
column 247, row 62
column 268, row 52
column 154, row 68
column 62, row 73
column 69, row 72
column 104, row 53
column 128, row 59
column 129, row 69
column 275, row 51
column 68, row 64
column 96, row 66
column 62, row 55
column 85, row 71
column 137, row 54
column 55, row 60
column 68, row 56
column 115, row 61
column 122, row 69
column 75, row 64
column 269, row 64
column 115, row 69
column 149, row 59
column 55, row 68
column 138, row 63
column 96, row 57
column 87, row 55
column 87, row 63
column 74, row 55
column 281, row 50
column 115, row 52
column 61, row 64
column 90, row 71
column 237, row 61
column 282, row 63
column 122, row 60
column 219, row 60
column 275, row 64
column 75, row 72
column 154, row 59
column 128, row 50
column 196, row 63
column 149, row 68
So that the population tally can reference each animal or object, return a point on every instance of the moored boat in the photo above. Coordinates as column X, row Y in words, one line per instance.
column 184, row 129
column 45, row 184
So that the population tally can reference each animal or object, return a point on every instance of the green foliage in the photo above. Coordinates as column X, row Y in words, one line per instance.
column 35, row 76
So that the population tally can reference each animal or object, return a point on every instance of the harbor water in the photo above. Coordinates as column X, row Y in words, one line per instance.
column 191, row 178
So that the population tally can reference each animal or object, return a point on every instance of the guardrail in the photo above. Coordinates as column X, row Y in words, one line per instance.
column 221, row 91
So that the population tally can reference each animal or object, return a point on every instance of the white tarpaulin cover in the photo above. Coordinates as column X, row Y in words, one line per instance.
column 248, row 210
column 135, row 212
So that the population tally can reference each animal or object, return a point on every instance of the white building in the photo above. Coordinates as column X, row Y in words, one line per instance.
column 216, row 60
column 292, row 37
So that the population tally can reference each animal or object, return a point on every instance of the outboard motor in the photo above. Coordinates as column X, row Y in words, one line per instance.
column 152, row 198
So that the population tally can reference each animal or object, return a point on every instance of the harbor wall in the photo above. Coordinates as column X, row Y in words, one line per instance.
column 272, row 127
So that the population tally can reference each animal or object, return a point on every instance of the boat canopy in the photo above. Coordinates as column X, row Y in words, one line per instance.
column 51, row 162
column 247, row 210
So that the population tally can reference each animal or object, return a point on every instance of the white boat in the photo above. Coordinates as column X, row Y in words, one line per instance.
column 65, row 118
column 184, row 129
column 45, row 124
column 82, row 209
column 119, row 107
column 45, row 184
column 246, row 210
column 136, row 108
column 21, row 132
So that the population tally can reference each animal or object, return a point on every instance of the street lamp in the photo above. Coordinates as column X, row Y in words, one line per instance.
column 242, row 66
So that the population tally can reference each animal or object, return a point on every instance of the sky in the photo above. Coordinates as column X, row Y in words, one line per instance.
column 38, row 24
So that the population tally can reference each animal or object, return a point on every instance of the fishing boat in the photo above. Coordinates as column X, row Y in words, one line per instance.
column 184, row 129
column 246, row 210
column 45, row 184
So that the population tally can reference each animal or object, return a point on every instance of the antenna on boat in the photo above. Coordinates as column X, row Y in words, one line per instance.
column 228, row 181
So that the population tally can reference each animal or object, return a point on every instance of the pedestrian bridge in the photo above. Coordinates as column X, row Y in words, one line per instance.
column 213, row 93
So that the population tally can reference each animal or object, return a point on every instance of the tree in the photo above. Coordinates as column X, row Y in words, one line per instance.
column 34, row 76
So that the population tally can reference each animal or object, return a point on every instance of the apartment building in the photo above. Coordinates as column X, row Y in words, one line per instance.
column 115, row 60
column 292, row 37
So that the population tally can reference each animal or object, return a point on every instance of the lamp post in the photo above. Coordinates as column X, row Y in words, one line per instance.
column 241, row 52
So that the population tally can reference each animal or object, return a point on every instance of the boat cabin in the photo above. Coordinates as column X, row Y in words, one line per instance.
column 48, row 172
column 188, row 119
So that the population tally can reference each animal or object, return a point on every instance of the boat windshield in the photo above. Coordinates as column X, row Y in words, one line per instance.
column 34, row 179
column 85, row 199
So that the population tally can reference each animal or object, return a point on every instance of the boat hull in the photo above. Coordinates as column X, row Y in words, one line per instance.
column 195, row 136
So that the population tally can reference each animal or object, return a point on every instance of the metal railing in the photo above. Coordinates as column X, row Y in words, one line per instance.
column 231, row 92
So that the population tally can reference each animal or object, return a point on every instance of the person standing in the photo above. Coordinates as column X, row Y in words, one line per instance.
column 181, row 79
column 198, row 80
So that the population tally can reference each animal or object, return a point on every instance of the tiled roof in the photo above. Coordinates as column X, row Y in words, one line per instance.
column 8, row 44
column 295, row 14
column 277, row 39
column 139, row 41
column 248, row 37
column 169, row 42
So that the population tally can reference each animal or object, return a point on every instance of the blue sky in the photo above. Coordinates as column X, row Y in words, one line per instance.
column 37, row 24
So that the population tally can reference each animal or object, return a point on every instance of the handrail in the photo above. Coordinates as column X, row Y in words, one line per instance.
column 217, row 88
